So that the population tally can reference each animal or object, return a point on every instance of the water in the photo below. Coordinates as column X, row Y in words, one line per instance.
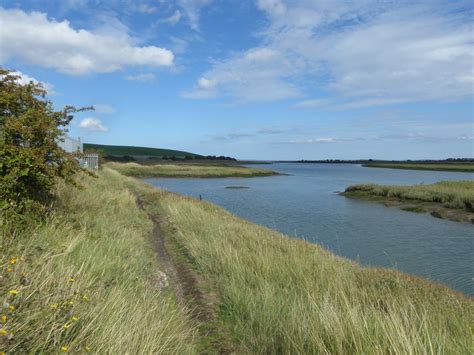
column 305, row 205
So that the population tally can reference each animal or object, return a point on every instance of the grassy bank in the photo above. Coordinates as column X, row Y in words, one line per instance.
column 182, row 170
column 86, row 280
column 461, row 167
column 281, row 295
column 452, row 200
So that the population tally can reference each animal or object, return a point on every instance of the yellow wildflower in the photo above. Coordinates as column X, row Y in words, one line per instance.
column 67, row 326
column 54, row 306
column 13, row 292
column 9, row 269
column 64, row 348
column 2, row 353
column 74, row 319
column 13, row 261
column 87, row 349
column 11, row 307
column 3, row 332
column 72, row 280
column 4, row 318
column 85, row 298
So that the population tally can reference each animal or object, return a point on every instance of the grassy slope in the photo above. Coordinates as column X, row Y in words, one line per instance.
column 119, row 150
column 91, row 260
column 182, row 170
column 467, row 167
column 282, row 295
column 452, row 194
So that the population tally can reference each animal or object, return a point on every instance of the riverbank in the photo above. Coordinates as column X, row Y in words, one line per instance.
column 171, row 274
column 269, row 293
column 188, row 171
column 460, row 167
column 453, row 200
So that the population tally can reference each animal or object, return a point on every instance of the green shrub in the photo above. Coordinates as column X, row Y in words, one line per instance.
column 31, row 159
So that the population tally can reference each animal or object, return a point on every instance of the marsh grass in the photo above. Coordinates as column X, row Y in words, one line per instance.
column 83, row 281
column 465, row 167
column 183, row 170
column 451, row 194
column 279, row 295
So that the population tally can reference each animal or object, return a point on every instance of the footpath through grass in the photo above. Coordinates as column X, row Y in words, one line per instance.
column 86, row 280
column 183, row 170
column 278, row 295
column 461, row 167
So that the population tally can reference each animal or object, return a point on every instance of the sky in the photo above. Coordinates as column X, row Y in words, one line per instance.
column 255, row 79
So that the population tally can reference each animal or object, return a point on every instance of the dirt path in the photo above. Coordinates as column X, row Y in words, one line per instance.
column 186, row 286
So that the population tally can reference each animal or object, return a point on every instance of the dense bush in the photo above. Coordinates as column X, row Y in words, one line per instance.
column 30, row 158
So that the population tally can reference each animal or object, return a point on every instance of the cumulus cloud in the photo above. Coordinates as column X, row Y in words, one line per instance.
column 360, row 53
column 92, row 124
column 35, row 39
column 144, row 77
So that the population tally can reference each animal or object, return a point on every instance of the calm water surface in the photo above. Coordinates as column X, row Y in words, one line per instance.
column 305, row 205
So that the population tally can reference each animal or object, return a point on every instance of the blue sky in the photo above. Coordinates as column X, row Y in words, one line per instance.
column 262, row 79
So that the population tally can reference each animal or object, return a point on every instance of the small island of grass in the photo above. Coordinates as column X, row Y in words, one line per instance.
column 188, row 171
column 452, row 200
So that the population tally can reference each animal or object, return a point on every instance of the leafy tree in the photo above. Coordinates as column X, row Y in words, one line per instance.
column 30, row 158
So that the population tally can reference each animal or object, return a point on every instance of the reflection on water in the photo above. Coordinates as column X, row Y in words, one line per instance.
column 305, row 205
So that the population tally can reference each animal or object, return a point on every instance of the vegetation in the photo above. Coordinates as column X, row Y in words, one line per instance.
column 31, row 158
column 462, row 167
column 451, row 194
column 128, row 151
column 197, row 171
column 86, row 280
column 283, row 295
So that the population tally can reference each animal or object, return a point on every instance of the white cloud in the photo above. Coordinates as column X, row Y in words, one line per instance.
column 24, row 79
column 361, row 53
column 173, row 19
column 258, row 74
column 92, row 124
column 144, row 77
column 35, row 39
column 192, row 9
column 104, row 108
column 146, row 9
column 313, row 103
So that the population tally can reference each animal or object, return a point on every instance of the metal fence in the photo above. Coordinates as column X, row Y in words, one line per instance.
column 90, row 161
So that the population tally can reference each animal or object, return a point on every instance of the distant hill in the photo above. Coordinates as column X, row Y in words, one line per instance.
column 138, row 152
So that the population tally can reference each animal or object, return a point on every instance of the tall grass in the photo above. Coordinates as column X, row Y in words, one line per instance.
column 182, row 170
column 282, row 295
column 85, row 280
column 466, row 167
column 452, row 194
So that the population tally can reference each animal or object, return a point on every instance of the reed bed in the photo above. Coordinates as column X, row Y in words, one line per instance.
column 183, row 170
column 451, row 194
